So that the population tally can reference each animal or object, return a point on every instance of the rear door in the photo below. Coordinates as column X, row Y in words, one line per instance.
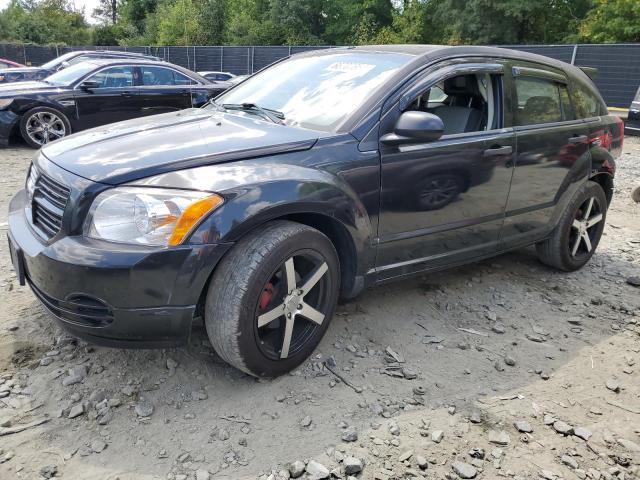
column 114, row 100
column 552, row 151
column 164, row 90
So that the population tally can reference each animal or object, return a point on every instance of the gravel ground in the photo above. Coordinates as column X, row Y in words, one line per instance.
column 502, row 368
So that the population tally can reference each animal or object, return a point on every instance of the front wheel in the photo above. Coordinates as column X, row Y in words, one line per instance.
column 578, row 232
column 272, row 297
column 42, row 125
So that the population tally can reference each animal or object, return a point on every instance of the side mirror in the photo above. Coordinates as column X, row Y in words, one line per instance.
column 89, row 85
column 415, row 127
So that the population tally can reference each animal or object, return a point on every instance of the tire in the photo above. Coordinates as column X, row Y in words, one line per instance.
column 567, row 248
column 251, row 285
column 52, row 123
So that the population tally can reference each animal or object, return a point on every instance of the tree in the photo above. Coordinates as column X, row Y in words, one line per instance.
column 106, row 11
column 511, row 21
column 612, row 21
column 357, row 21
column 46, row 22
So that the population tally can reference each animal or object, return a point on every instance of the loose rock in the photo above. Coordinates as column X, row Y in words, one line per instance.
column 316, row 471
column 464, row 470
column 499, row 438
column 352, row 465
column 523, row 426
column 296, row 468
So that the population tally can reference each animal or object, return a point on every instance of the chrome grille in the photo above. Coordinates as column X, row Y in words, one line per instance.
column 48, row 201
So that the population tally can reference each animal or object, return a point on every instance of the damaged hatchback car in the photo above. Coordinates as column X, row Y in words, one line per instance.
column 323, row 174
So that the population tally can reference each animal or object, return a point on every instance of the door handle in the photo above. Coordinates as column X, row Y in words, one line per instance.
column 578, row 139
column 126, row 94
column 494, row 152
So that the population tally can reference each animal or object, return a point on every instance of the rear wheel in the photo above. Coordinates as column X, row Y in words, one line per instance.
column 42, row 125
column 272, row 297
column 579, row 230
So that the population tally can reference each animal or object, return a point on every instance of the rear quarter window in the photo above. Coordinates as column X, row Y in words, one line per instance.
column 586, row 102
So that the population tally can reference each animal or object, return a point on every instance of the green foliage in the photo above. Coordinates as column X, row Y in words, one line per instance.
column 322, row 22
column 46, row 22
column 612, row 21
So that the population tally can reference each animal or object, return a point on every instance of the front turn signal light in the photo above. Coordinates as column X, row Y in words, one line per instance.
column 191, row 215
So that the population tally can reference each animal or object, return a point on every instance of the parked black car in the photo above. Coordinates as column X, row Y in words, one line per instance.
column 632, row 125
column 23, row 74
column 258, row 211
column 95, row 93
column 216, row 76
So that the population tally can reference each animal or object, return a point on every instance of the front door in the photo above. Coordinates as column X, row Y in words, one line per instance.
column 552, row 152
column 114, row 99
column 443, row 202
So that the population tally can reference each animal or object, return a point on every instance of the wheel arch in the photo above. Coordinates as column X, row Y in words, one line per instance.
column 351, row 282
column 605, row 180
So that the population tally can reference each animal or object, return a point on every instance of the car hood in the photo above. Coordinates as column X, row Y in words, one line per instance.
column 21, row 88
column 134, row 149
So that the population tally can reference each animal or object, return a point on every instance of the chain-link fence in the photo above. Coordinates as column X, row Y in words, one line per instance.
column 618, row 64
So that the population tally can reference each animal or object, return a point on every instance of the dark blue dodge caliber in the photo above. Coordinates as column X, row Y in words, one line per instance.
column 325, row 173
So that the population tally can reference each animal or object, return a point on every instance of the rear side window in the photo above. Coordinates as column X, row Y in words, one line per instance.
column 541, row 100
column 163, row 76
column 157, row 76
column 587, row 103
column 182, row 79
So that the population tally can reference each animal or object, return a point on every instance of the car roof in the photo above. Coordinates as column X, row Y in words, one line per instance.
column 137, row 61
column 428, row 53
column 112, row 52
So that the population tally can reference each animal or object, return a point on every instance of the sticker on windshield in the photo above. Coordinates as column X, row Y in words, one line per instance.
column 351, row 67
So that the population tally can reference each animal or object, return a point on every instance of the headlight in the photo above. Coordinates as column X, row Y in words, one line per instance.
column 147, row 216
column 5, row 102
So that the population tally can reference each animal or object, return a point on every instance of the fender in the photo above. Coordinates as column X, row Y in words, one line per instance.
column 264, row 189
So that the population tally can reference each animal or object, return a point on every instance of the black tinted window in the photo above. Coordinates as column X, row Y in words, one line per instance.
column 157, row 76
column 114, row 77
column 182, row 79
column 586, row 102
column 540, row 100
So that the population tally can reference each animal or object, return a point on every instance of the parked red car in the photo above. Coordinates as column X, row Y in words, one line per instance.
column 4, row 63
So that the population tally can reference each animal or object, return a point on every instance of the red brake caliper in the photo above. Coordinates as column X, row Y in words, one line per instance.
column 265, row 296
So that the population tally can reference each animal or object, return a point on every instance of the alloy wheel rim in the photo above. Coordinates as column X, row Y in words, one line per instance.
column 43, row 127
column 585, row 228
column 439, row 191
column 292, row 306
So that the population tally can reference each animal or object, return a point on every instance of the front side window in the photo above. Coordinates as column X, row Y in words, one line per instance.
column 318, row 92
column 465, row 103
column 114, row 77
column 539, row 100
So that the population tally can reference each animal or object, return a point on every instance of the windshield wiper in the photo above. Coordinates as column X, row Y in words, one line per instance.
column 273, row 115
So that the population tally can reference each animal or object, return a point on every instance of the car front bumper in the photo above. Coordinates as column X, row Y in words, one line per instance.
column 112, row 294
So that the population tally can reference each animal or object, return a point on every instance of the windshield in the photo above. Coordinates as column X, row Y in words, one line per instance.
column 317, row 92
column 53, row 64
column 71, row 74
